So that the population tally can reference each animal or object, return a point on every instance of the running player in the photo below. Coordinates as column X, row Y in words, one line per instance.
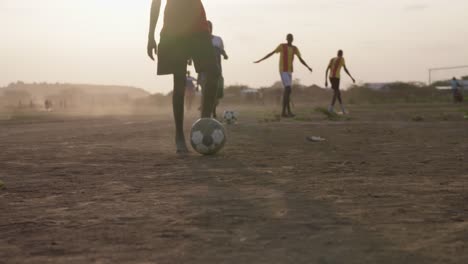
column 218, row 45
column 287, row 53
column 335, row 66
column 185, row 35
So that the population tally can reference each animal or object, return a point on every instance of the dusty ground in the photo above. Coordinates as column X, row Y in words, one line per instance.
column 383, row 188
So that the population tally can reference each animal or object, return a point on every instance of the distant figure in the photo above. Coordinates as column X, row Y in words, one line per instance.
column 261, row 97
column 287, row 53
column 218, row 45
column 185, row 35
column 334, row 67
column 456, row 91
column 48, row 105
column 190, row 90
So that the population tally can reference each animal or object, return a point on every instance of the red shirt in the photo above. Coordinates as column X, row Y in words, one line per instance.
column 184, row 17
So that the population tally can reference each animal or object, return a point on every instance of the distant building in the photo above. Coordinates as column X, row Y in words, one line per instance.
column 249, row 91
column 377, row 86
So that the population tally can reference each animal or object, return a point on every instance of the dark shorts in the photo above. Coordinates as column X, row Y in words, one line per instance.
column 335, row 83
column 174, row 52
column 457, row 95
column 455, row 92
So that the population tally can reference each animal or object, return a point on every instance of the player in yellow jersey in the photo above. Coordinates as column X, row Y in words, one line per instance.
column 287, row 53
column 334, row 67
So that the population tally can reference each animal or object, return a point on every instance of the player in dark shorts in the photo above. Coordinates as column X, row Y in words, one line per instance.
column 220, row 51
column 334, row 67
column 185, row 36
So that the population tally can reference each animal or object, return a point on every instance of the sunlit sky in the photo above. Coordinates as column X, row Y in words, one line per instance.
column 104, row 41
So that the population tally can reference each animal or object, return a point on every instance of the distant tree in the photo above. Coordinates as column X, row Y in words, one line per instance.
column 277, row 84
column 441, row 83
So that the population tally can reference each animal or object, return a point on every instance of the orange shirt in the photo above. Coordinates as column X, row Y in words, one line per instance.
column 287, row 54
column 184, row 17
column 335, row 67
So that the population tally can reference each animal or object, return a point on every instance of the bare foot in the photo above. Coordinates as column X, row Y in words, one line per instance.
column 181, row 147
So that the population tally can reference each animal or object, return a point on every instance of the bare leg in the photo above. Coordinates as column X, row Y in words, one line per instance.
column 209, row 95
column 203, row 95
column 288, row 105
column 338, row 96
column 341, row 102
column 178, row 98
column 214, row 108
column 216, row 102
column 333, row 98
column 332, row 105
column 285, row 102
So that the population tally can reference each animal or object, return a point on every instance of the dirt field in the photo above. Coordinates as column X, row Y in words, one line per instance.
column 390, row 185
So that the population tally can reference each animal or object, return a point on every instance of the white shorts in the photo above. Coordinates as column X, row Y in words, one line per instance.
column 286, row 77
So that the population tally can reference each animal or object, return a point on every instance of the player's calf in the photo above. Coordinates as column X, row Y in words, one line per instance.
column 209, row 95
column 178, row 100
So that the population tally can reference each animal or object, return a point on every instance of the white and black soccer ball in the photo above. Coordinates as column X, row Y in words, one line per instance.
column 208, row 136
column 230, row 117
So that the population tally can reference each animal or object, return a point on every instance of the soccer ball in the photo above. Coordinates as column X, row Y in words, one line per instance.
column 230, row 117
column 207, row 136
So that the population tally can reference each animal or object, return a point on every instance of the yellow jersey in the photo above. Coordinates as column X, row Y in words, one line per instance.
column 287, row 54
column 335, row 66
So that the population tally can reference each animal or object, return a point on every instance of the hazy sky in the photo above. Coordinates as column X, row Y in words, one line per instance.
column 104, row 41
